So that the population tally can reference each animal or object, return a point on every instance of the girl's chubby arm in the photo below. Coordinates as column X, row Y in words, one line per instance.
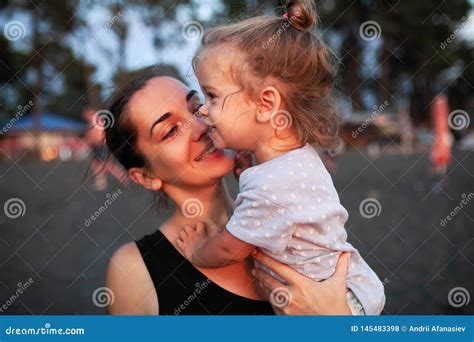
column 218, row 250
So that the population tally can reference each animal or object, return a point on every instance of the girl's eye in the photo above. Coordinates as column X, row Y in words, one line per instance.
column 210, row 95
column 172, row 132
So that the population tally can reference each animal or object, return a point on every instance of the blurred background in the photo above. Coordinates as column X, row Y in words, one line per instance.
column 404, row 169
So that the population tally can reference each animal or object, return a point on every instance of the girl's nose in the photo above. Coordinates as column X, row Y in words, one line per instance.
column 204, row 115
column 204, row 110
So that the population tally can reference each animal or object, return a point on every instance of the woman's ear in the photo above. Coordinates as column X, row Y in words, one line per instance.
column 269, row 103
column 144, row 178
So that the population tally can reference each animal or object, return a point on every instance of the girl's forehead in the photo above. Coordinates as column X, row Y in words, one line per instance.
column 216, row 64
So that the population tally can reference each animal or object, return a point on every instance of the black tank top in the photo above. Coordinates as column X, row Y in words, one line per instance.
column 183, row 290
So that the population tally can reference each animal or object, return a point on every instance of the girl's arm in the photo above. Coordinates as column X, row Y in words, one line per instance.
column 211, row 251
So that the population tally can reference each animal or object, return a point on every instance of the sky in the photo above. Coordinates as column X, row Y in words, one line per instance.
column 140, row 50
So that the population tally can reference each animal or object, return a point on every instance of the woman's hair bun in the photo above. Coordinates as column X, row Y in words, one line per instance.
column 302, row 14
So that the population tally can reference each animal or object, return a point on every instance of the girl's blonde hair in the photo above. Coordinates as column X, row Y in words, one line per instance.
column 288, row 50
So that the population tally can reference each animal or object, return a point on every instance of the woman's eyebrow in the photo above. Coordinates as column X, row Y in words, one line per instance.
column 160, row 119
column 190, row 94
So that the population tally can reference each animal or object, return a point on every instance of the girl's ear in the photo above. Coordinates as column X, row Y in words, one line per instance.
column 144, row 178
column 269, row 103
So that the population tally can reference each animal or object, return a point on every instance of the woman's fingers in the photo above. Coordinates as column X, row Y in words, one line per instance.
column 268, row 282
column 340, row 274
column 284, row 271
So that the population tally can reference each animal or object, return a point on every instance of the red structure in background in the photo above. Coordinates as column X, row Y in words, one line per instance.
column 442, row 138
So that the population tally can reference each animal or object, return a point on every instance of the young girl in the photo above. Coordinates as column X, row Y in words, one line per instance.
column 268, row 85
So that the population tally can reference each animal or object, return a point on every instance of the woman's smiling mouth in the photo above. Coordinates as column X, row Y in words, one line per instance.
column 208, row 150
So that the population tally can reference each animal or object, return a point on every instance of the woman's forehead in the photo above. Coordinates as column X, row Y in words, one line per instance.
column 160, row 93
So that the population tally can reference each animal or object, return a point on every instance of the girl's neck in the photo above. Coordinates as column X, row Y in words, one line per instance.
column 276, row 145
column 211, row 205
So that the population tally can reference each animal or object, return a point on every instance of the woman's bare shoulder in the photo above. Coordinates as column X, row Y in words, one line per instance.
column 130, row 282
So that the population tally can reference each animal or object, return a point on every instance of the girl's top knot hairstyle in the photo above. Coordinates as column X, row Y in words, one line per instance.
column 288, row 53
column 302, row 14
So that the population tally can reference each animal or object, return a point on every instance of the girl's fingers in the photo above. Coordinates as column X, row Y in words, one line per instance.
column 180, row 244
column 188, row 229
column 284, row 271
column 200, row 226
column 183, row 235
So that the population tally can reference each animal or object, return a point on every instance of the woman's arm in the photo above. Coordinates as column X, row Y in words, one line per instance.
column 132, row 289
column 218, row 250
column 301, row 295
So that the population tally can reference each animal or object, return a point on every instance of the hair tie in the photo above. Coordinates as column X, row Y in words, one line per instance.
column 285, row 15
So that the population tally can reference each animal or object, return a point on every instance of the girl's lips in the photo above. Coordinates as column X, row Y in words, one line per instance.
column 213, row 134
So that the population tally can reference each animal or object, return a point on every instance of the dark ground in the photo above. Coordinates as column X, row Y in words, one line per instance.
column 419, row 260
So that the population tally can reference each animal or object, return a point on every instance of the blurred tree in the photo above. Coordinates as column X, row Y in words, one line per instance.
column 44, row 25
column 411, row 61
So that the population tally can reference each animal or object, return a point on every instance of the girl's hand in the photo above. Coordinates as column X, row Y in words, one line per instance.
column 190, row 238
column 243, row 160
column 301, row 295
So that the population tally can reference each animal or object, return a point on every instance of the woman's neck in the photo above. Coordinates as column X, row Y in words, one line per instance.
column 211, row 205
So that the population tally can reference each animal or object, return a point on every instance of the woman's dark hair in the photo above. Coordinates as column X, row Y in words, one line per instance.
column 120, row 135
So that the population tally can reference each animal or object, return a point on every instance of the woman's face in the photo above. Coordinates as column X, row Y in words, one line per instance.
column 172, row 139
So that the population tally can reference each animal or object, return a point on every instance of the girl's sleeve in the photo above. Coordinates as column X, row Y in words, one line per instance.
column 261, row 221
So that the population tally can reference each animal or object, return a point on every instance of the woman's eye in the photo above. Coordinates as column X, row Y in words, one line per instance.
column 172, row 132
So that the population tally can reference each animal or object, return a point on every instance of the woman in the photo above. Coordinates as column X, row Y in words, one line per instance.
column 165, row 148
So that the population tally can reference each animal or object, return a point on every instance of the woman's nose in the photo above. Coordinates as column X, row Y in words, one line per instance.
column 199, row 129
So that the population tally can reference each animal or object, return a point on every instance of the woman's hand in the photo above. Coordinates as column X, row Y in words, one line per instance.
column 243, row 160
column 301, row 295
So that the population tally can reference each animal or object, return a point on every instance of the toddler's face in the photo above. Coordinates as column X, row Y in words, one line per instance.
column 228, row 110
